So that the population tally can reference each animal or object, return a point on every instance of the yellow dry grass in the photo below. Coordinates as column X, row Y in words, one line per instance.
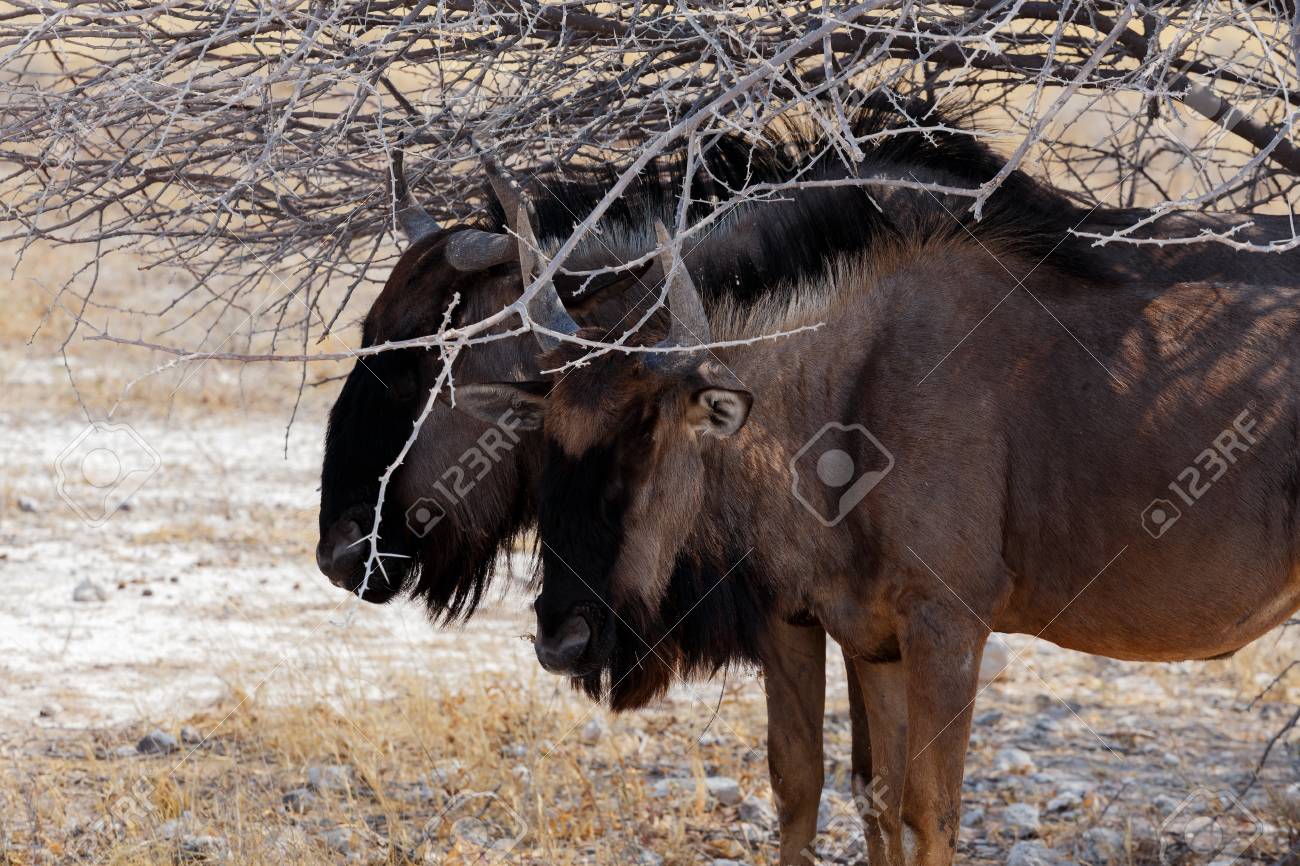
column 412, row 766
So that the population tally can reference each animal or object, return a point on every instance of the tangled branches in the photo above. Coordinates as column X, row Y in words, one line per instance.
column 251, row 141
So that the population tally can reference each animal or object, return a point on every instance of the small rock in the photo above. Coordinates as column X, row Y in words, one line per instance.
column 726, row 791
column 202, row 847
column 420, row 792
column 27, row 505
column 176, row 827
column 190, row 736
column 1021, row 819
column 1165, row 803
column 995, row 661
column 1047, row 725
column 991, row 717
column 1290, row 796
column 299, row 800
column 756, row 811
column 89, row 591
column 157, row 743
column 1063, row 802
column 593, row 731
column 50, row 710
column 443, row 774
column 1102, row 846
column 340, row 839
column 972, row 817
column 522, row 773
column 830, row 807
column 332, row 777
column 671, row 787
column 721, row 862
column 514, row 750
column 1031, row 854
column 1013, row 761
column 646, row 857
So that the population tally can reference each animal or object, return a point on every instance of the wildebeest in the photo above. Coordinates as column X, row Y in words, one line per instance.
column 446, row 558
column 451, row 559
column 1053, row 445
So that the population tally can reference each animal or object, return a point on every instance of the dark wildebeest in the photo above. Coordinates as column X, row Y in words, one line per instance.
column 1017, row 462
column 448, row 562
column 451, row 560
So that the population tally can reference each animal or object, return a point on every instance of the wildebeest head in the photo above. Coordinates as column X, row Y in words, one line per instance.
column 462, row 491
column 621, row 491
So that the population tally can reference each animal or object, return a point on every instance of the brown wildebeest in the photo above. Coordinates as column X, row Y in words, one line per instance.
column 451, row 559
column 1109, row 463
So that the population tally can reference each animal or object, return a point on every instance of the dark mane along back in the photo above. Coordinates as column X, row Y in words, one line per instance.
column 767, row 246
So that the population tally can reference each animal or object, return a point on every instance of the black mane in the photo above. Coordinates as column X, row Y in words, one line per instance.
column 766, row 247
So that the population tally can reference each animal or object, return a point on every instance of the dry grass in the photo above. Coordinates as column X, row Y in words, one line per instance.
column 413, row 764
column 44, row 294
column 560, row 781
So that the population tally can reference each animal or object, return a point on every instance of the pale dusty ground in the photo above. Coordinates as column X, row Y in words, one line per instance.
column 208, row 576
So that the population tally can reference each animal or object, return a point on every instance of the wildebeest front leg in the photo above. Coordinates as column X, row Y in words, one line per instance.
column 941, row 650
column 878, row 781
column 794, row 668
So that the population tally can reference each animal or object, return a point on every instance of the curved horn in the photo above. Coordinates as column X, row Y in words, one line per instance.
column 476, row 250
column 545, row 308
column 690, row 326
column 412, row 219
column 506, row 191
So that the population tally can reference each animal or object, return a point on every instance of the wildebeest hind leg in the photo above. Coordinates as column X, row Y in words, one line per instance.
column 794, row 668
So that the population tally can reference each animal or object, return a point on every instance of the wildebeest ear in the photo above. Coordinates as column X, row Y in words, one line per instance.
column 720, row 411
column 519, row 405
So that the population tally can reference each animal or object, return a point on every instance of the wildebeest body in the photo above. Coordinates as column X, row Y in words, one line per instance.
column 1029, row 424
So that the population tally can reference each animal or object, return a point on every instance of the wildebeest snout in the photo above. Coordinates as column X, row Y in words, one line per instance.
column 339, row 555
column 560, row 649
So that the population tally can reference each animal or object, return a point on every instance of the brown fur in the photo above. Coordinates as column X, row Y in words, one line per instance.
column 1029, row 431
